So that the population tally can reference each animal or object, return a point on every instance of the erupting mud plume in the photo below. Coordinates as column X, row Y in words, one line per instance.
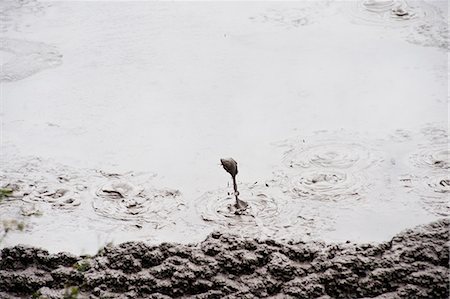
column 230, row 165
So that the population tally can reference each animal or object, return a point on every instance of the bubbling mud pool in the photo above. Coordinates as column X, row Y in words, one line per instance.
column 166, row 89
column 320, row 181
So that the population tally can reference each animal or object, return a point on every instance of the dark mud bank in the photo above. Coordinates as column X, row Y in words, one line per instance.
column 414, row 264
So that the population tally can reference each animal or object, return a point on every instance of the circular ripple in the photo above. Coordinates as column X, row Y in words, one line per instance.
column 434, row 158
column 325, row 185
column 122, row 200
column 395, row 13
column 59, row 197
column 434, row 191
column 289, row 17
column 440, row 184
column 331, row 155
column 266, row 214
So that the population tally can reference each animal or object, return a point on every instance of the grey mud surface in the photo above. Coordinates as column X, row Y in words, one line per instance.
column 413, row 264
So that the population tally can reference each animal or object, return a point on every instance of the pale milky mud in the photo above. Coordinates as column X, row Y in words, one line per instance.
column 13, row 14
column 115, row 115
column 28, row 58
column 51, row 198
column 25, row 57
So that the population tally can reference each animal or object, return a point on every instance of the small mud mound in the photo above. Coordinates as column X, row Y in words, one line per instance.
column 413, row 264
column 390, row 13
column 291, row 17
column 29, row 58
column 325, row 185
column 122, row 200
column 266, row 215
column 330, row 154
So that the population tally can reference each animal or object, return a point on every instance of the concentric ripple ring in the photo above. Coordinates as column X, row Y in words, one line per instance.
column 331, row 155
column 122, row 200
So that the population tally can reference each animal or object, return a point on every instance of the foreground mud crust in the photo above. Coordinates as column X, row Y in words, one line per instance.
column 413, row 264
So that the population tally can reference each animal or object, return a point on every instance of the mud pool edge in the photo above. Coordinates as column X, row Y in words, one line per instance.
column 413, row 264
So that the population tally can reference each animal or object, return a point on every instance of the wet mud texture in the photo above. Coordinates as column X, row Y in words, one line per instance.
column 414, row 264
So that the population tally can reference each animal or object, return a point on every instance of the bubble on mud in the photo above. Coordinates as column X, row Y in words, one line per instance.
column 291, row 17
column 266, row 215
column 58, row 196
column 29, row 58
column 325, row 185
column 330, row 154
column 435, row 157
column 389, row 13
column 121, row 200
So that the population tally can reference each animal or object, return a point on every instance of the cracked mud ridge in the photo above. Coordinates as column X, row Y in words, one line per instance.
column 413, row 264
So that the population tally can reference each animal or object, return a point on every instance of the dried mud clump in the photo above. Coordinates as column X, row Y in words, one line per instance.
column 414, row 264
